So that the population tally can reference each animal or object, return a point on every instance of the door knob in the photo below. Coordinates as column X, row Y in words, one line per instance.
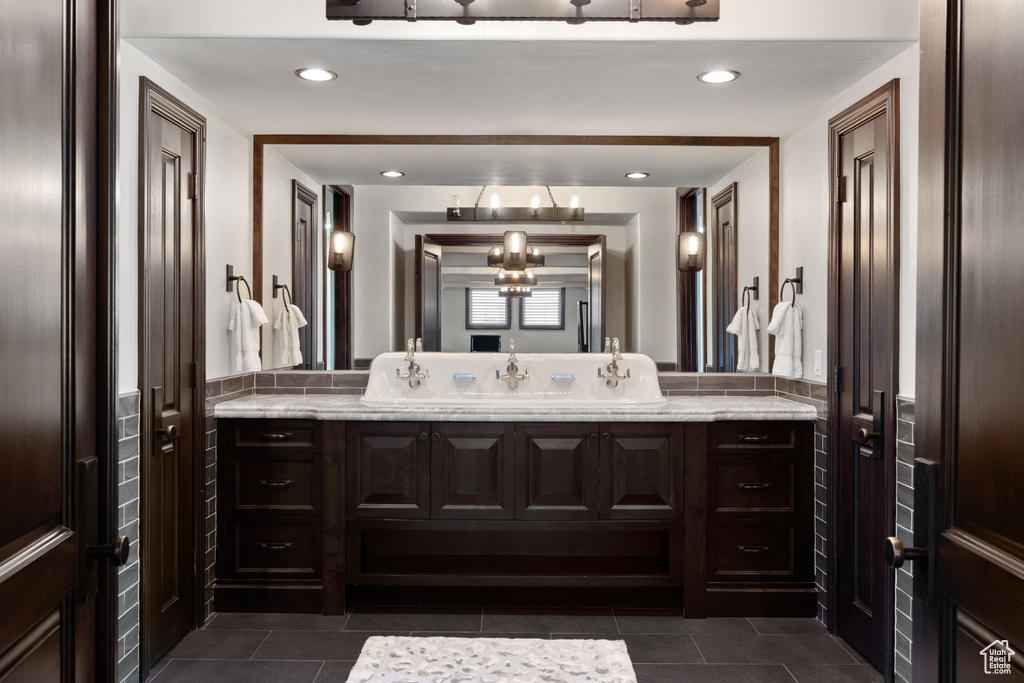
column 896, row 553
column 117, row 551
column 169, row 433
column 867, row 437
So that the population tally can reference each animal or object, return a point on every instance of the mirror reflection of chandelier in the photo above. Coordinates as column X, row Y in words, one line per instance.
column 513, row 259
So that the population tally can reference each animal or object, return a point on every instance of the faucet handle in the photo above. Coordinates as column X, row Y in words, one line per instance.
column 607, row 345
column 419, row 345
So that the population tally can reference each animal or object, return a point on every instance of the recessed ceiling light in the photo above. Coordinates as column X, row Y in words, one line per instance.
column 392, row 174
column 316, row 74
column 720, row 76
column 637, row 175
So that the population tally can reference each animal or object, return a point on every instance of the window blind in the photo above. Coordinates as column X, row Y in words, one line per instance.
column 486, row 310
column 544, row 310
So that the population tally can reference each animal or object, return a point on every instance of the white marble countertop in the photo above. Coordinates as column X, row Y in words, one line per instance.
column 674, row 409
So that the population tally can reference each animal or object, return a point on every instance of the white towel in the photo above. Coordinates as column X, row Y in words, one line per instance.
column 289, row 320
column 787, row 323
column 247, row 317
column 745, row 326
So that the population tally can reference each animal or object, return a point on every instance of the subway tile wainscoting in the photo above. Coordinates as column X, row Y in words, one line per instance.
column 128, row 411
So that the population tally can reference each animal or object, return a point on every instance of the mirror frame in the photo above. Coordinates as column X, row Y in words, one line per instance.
column 772, row 143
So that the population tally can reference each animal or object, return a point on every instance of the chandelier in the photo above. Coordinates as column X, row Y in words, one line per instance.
column 572, row 11
column 516, row 214
column 513, row 260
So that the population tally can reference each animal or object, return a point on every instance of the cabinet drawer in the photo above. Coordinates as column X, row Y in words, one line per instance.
column 754, row 484
column 277, row 484
column 757, row 550
column 273, row 435
column 282, row 547
column 743, row 437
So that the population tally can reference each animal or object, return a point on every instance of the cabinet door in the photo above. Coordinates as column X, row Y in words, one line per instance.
column 557, row 471
column 388, row 470
column 472, row 470
column 642, row 471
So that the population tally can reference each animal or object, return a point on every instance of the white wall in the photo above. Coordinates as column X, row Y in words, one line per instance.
column 751, row 221
column 803, row 213
column 228, row 185
column 382, row 306
column 278, row 174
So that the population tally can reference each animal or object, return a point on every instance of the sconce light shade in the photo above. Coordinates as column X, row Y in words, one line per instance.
column 342, row 245
column 691, row 251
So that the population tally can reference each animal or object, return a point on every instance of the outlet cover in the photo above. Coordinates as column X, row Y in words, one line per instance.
column 817, row 362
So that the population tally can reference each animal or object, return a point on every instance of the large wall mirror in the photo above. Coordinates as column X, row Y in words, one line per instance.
column 643, row 299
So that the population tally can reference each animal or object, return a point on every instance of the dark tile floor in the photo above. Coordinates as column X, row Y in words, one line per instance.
column 664, row 647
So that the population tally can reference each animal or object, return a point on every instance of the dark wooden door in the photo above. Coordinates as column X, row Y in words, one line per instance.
column 428, row 293
column 388, row 470
column 596, row 289
column 338, row 331
column 307, row 270
column 557, row 471
column 689, row 288
column 642, row 471
column 723, row 272
column 169, row 351
column 57, row 448
column 970, row 360
column 472, row 470
column 864, row 348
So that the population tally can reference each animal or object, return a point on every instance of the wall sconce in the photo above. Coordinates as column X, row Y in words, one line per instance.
column 691, row 251
column 342, row 245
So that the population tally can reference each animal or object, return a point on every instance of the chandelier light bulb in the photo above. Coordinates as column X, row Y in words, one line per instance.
column 495, row 201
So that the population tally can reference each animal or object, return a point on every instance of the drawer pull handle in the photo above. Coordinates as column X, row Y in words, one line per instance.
column 274, row 547
column 277, row 484
column 275, row 436
column 754, row 548
column 753, row 487
column 753, row 438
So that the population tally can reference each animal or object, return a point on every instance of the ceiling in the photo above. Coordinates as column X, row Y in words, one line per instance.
column 562, row 84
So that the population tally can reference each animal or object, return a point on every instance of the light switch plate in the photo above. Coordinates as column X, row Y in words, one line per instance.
column 817, row 362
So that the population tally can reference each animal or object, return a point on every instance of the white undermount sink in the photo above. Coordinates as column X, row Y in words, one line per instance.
column 472, row 379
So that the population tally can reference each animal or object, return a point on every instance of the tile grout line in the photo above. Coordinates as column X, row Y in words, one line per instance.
column 694, row 641
column 259, row 646
column 792, row 675
column 616, row 620
column 318, row 671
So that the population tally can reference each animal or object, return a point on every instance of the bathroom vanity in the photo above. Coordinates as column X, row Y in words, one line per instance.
column 581, row 485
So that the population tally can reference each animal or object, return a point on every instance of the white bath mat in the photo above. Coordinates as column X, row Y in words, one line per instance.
column 402, row 659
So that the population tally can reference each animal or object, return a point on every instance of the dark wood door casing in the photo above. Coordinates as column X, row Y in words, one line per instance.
column 863, row 343
column 307, row 265
column 724, row 259
column 58, row 103
column 171, row 366
column 968, row 369
column 338, row 201
column 428, row 292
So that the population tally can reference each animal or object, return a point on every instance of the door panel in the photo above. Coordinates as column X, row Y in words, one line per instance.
column 171, row 236
column 723, row 272
column 307, row 269
column 863, row 348
column 428, row 293
column 557, row 472
column 472, row 471
column 596, row 290
column 642, row 471
column 389, row 470
column 56, row 403
column 970, row 360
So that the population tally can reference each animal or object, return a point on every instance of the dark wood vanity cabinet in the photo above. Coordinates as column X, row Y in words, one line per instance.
column 722, row 510
column 270, row 492
column 760, row 543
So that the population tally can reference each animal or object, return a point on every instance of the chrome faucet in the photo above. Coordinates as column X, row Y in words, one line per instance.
column 512, row 376
column 607, row 345
column 613, row 376
column 414, row 376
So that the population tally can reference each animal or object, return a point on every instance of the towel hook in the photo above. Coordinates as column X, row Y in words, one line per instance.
column 241, row 279
column 287, row 299
column 797, row 284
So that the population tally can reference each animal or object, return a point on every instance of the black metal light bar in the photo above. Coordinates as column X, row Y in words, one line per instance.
column 518, row 214
column 572, row 11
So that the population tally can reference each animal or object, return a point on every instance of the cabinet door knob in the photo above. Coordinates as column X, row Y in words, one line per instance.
column 424, row 436
column 436, row 437
column 606, row 436
column 593, row 438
